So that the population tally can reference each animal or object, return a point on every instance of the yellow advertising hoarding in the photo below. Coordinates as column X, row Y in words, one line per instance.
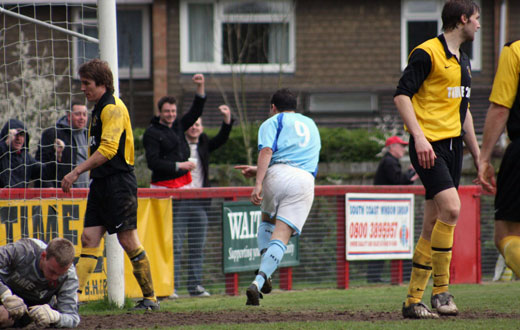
column 46, row 219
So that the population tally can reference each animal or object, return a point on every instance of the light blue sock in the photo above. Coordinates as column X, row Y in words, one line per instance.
column 265, row 230
column 270, row 261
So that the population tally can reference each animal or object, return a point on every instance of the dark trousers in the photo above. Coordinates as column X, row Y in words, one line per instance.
column 374, row 270
column 190, row 219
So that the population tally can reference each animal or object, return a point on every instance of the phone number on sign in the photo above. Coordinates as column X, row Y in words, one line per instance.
column 373, row 230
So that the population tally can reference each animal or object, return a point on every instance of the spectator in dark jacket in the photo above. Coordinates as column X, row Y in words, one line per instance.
column 389, row 170
column 17, row 166
column 190, row 215
column 389, row 173
column 167, row 151
column 71, row 134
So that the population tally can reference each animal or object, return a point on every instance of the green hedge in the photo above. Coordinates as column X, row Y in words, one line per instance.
column 343, row 145
column 337, row 145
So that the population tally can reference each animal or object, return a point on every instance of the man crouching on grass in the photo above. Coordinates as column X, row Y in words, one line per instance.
column 38, row 284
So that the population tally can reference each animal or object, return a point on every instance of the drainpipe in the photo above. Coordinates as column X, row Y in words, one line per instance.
column 501, row 42
column 502, row 24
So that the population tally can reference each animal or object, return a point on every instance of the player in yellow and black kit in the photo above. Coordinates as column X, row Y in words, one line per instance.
column 505, row 111
column 433, row 100
column 112, row 200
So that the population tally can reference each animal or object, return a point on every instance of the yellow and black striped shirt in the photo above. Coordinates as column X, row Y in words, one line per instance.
column 506, row 84
column 439, row 86
column 111, row 134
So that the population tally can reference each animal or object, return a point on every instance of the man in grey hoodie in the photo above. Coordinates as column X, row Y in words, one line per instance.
column 69, row 134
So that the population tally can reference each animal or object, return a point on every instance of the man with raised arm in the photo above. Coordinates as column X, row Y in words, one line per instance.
column 167, row 151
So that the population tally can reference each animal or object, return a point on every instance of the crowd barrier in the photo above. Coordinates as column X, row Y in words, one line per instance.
column 321, row 245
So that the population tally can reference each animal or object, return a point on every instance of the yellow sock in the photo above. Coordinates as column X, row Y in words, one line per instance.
column 86, row 264
column 142, row 272
column 421, row 270
column 442, row 242
column 510, row 249
column 507, row 275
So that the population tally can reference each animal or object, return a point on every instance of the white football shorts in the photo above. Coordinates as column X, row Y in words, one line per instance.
column 288, row 193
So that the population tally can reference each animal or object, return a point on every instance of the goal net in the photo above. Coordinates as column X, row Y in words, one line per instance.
column 42, row 44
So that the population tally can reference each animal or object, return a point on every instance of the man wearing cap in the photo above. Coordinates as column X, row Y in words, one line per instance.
column 389, row 173
column 17, row 166
column 389, row 169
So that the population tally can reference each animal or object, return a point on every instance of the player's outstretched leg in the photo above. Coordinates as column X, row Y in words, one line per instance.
column 421, row 270
column 265, row 231
column 270, row 261
column 442, row 243
column 143, row 275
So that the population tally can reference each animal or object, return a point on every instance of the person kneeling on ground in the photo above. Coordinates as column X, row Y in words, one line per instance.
column 38, row 283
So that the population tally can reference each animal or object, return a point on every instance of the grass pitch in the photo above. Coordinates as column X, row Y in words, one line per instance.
column 483, row 306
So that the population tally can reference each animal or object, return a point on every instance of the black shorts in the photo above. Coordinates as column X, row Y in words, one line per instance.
column 112, row 203
column 507, row 199
column 447, row 167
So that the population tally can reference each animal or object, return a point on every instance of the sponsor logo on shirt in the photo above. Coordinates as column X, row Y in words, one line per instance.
column 459, row 92
column 21, row 282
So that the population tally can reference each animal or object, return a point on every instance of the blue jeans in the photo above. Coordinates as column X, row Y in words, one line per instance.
column 189, row 217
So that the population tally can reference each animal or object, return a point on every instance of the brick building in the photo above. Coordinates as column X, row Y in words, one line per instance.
column 344, row 58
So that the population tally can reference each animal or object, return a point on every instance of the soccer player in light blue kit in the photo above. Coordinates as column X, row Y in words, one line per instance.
column 289, row 149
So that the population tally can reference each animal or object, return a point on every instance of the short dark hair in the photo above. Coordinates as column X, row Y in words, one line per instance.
column 62, row 250
column 454, row 9
column 166, row 99
column 284, row 99
column 99, row 71
column 75, row 103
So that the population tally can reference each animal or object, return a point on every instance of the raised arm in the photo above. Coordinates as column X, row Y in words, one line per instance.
column 225, row 129
column 198, row 103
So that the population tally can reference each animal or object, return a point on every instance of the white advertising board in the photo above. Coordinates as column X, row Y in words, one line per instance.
column 379, row 226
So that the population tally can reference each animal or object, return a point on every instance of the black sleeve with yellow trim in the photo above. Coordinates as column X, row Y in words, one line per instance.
column 117, row 141
column 417, row 70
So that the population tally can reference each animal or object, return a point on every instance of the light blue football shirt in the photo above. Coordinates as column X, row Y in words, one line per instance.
column 294, row 139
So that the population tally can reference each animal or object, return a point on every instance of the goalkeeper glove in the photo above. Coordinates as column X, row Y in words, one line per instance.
column 43, row 315
column 13, row 304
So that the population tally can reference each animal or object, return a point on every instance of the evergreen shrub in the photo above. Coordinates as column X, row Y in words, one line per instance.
column 337, row 145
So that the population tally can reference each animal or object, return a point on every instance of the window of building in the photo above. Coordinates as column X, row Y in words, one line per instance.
column 421, row 20
column 253, row 36
column 342, row 103
column 133, row 39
